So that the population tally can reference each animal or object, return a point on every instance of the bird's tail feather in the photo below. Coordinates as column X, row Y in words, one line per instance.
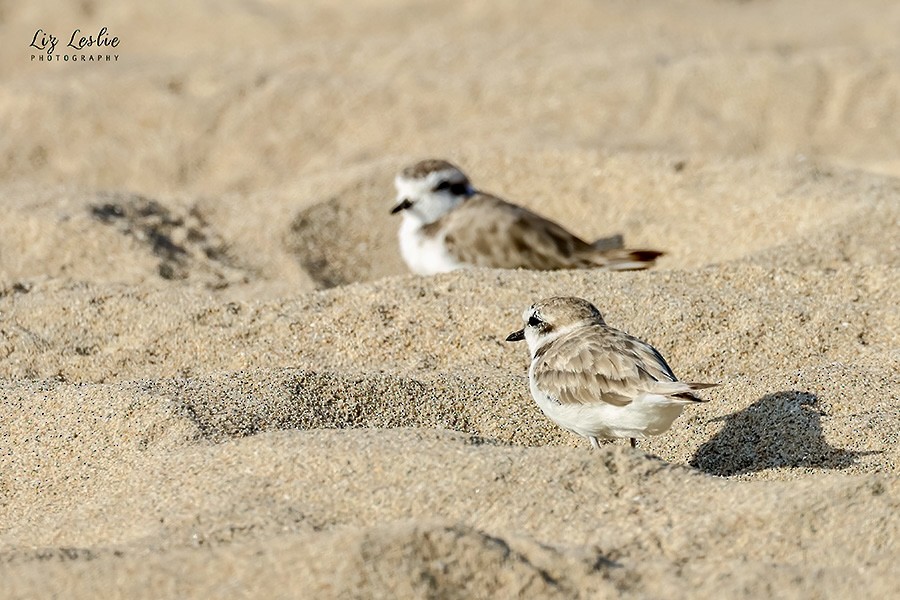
column 695, row 386
column 629, row 260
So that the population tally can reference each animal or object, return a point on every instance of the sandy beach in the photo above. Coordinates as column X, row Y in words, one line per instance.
column 219, row 379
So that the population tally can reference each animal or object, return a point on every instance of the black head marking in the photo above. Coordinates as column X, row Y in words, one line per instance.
column 458, row 188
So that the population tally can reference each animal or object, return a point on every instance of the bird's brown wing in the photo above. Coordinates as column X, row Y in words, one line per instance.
column 597, row 364
column 486, row 231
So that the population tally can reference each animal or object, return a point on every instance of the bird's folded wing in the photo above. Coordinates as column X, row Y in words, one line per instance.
column 488, row 232
column 599, row 364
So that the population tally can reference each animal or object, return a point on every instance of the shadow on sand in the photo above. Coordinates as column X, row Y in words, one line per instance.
column 778, row 430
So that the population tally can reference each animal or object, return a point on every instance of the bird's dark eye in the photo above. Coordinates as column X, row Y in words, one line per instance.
column 459, row 189
column 533, row 321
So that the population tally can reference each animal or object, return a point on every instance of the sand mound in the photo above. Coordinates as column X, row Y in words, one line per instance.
column 299, row 506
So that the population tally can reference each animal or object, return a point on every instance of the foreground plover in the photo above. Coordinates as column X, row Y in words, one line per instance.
column 448, row 225
column 597, row 381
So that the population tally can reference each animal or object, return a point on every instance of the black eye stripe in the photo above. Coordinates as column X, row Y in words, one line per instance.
column 457, row 189
column 533, row 321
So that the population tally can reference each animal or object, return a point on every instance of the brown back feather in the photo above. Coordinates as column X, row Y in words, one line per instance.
column 486, row 231
column 600, row 364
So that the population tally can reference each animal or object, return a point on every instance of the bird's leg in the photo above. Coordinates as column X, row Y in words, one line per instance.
column 633, row 443
column 594, row 443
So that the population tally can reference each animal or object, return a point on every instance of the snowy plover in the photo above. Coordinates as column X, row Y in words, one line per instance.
column 448, row 225
column 597, row 381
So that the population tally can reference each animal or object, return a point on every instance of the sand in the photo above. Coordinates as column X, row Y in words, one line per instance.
column 217, row 378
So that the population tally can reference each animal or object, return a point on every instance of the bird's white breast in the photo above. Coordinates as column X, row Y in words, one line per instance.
column 423, row 254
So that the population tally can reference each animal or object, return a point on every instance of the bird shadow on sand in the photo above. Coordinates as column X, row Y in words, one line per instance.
column 782, row 429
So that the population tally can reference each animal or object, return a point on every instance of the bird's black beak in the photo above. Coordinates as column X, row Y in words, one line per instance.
column 403, row 205
column 516, row 336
